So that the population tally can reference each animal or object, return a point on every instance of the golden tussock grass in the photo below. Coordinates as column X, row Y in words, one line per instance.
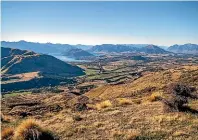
column 91, row 106
column 124, row 101
column 103, row 104
column 7, row 133
column 98, row 124
column 137, row 101
column 172, row 118
column 31, row 129
column 133, row 135
column 154, row 97
column 126, row 135
column 118, row 135
column 179, row 133
column 5, row 118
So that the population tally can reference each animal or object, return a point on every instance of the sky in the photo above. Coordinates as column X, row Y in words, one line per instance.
column 91, row 23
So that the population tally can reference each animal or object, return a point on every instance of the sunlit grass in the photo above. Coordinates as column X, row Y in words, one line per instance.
column 12, row 94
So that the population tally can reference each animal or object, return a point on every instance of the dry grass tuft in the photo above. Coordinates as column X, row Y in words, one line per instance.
column 103, row 104
column 91, row 106
column 180, row 133
column 98, row 124
column 7, row 133
column 5, row 118
column 133, row 135
column 126, row 135
column 118, row 135
column 137, row 101
column 124, row 101
column 31, row 130
column 154, row 97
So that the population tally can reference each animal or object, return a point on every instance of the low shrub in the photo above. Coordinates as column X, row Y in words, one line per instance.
column 178, row 97
column 77, row 118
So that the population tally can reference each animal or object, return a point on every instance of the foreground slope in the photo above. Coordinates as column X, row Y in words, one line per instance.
column 125, row 112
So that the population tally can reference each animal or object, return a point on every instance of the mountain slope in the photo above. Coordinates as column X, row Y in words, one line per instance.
column 15, row 61
column 83, row 47
column 186, row 48
column 109, row 48
column 46, row 48
column 112, row 48
column 152, row 49
column 22, row 69
column 77, row 53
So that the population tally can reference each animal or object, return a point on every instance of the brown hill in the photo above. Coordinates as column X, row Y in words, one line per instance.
column 15, row 61
column 23, row 69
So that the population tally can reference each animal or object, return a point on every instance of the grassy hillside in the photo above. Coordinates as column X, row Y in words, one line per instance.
column 154, row 80
column 130, row 111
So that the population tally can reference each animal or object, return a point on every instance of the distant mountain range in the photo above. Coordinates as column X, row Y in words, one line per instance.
column 186, row 48
column 82, row 51
column 45, row 48
column 73, row 51
column 109, row 48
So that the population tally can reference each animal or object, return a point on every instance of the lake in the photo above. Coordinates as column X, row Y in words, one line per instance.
column 67, row 59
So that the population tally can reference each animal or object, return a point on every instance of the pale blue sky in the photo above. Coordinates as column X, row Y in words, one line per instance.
column 160, row 23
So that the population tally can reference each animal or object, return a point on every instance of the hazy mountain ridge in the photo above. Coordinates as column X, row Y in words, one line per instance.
column 83, row 47
column 152, row 49
column 36, row 47
column 186, row 48
column 112, row 48
column 77, row 53
column 49, row 48
column 87, row 50
column 108, row 48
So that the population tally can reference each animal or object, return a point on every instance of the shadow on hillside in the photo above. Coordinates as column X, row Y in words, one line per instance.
column 188, row 109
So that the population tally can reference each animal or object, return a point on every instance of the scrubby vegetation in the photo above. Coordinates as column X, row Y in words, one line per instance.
column 157, row 101
column 7, row 133
column 179, row 96
column 29, row 129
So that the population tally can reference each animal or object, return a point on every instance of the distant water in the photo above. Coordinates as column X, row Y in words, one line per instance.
column 67, row 59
